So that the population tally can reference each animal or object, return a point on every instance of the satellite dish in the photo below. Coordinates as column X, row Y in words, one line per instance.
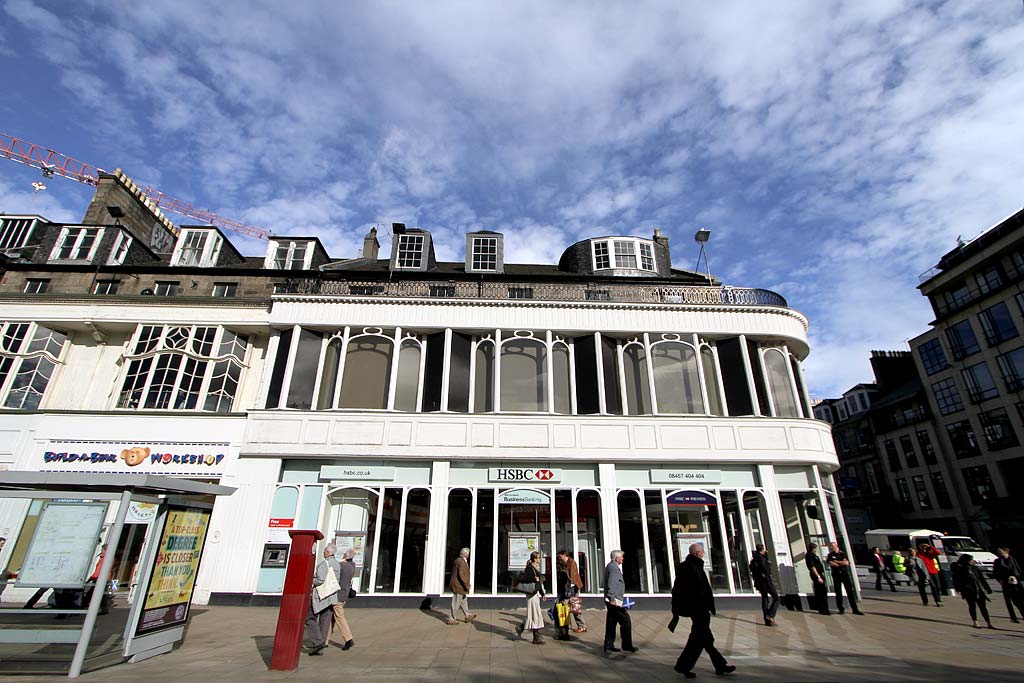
column 146, row 292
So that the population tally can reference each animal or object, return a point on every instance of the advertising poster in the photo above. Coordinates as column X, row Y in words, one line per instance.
column 519, row 548
column 169, row 592
column 277, row 529
column 356, row 540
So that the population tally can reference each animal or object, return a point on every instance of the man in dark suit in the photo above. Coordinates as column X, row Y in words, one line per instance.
column 614, row 597
column 692, row 597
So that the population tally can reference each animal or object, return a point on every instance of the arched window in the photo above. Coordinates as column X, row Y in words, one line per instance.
column 329, row 376
column 776, row 367
column 710, row 368
column 560, row 370
column 408, row 382
column 638, row 388
column 483, row 380
column 676, row 379
column 524, row 375
column 367, row 372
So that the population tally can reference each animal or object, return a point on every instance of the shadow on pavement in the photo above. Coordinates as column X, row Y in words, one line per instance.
column 265, row 646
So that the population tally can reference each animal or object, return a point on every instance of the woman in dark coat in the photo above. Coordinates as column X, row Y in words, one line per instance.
column 973, row 587
column 566, row 589
column 534, row 616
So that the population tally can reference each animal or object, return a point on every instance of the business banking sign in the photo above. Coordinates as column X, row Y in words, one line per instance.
column 143, row 457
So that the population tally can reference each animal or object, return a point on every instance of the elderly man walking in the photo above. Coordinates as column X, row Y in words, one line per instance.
column 346, row 572
column 318, row 621
column 460, row 586
column 692, row 597
column 614, row 597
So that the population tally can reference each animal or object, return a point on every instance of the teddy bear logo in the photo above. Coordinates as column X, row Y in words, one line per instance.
column 135, row 456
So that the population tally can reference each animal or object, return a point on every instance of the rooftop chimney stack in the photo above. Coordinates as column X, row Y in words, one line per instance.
column 371, row 246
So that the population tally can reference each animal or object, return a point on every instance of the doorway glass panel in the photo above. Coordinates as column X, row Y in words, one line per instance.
column 414, row 544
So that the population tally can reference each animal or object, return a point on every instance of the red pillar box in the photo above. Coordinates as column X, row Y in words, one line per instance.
column 298, row 582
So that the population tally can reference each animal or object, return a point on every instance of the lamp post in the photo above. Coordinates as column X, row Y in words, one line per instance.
column 701, row 237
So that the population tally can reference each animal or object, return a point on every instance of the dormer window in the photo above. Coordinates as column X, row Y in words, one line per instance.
column 485, row 253
column 197, row 248
column 76, row 244
column 291, row 255
column 122, row 243
column 410, row 251
column 15, row 232
column 623, row 252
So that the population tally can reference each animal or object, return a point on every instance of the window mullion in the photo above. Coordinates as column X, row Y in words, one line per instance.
column 550, row 366
column 341, row 368
column 700, row 374
column 649, row 362
column 396, row 354
column 472, row 373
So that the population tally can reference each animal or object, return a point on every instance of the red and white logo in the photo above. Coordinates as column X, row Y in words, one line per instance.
column 543, row 475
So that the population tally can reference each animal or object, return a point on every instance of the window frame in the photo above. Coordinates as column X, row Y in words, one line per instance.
column 949, row 389
column 289, row 259
column 230, row 290
column 119, row 250
column 36, row 285
column 609, row 244
column 23, row 235
column 207, row 255
column 475, row 252
column 23, row 354
column 82, row 230
column 116, row 286
column 176, row 284
column 933, row 356
column 403, row 254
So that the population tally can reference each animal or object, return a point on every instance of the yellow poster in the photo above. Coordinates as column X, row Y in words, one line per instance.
column 174, row 573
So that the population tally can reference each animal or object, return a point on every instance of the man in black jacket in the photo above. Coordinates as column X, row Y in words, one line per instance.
column 692, row 597
column 817, row 571
column 1007, row 572
column 761, row 571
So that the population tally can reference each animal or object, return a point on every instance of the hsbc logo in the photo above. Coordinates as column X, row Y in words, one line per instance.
column 524, row 474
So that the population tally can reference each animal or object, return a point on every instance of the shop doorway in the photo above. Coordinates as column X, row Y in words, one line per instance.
column 693, row 518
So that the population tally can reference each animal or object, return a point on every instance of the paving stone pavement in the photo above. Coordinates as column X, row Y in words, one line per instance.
column 897, row 640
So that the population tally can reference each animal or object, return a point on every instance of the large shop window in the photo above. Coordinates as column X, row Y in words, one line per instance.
column 189, row 367
column 483, row 549
column 711, row 383
column 638, row 387
column 352, row 524
column 29, row 353
column 367, row 375
column 524, row 522
column 483, row 380
column 524, row 375
column 693, row 518
column 631, row 538
column 413, row 547
column 676, row 378
column 460, row 529
column 589, row 540
column 777, row 368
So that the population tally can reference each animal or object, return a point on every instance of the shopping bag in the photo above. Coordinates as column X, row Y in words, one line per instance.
column 575, row 605
column 329, row 586
column 563, row 613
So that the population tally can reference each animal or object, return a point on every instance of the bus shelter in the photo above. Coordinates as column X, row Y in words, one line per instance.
column 61, row 609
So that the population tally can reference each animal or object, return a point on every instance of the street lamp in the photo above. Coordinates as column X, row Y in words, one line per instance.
column 701, row 237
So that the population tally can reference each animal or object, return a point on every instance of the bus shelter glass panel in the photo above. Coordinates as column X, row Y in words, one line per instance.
column 589, row 539
column 483, row 548
column 631, row 536
column 460, row 530
column 693, row 518
column 387, row 554
column 524, row 525
column 661, row 581
column 803, row 526
column 414, row 544
column 738, row 548
column 352, row 523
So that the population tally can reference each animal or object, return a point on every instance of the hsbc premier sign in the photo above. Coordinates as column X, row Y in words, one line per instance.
column 519, row 475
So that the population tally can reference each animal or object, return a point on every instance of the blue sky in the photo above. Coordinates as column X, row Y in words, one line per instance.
column 834, row 149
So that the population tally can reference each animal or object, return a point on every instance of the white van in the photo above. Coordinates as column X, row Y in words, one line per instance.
column 951, row 546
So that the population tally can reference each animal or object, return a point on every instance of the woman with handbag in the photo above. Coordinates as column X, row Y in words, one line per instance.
column 565, row 588
column 532, row 584
column 575, row 602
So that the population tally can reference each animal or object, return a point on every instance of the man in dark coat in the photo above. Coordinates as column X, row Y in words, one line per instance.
column 1007, row 572
column 692, row 597
column 881, row 571
column 840, row 566
column 817, row 571
column 761, row 571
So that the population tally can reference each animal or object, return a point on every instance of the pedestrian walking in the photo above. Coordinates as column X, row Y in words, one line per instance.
column 346, row 570
column 460, row 586
column 881, row 571
column 573, row 569
column 323, row 597
column 840, row 567
column 973, row 588
column 761, row 571
column 929, row 557
column 614, row 597
column 816, row 569
column 692, row 597
column 918, row 570
column 533, row 581
column 899, row 564
column 1006, row 571
column 565, row 589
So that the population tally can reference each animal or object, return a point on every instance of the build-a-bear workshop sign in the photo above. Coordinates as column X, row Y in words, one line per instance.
column 142, row 457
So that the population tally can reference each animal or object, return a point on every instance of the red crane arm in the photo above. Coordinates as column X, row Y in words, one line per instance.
column 52, row 162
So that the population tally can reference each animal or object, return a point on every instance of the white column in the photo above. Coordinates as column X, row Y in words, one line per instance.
column 610, row 508
column 600, row 375
column 341, row 367
column 750, row 375
column 289, row 367
column 647, row 542
column 776, row 519
column 376, row 539
column 401, row 539
column 268, row 370
column 700, row 374
column 550, row 365
column 494, row 546
column 621, row 372
column 393, row 378
column 497, row 377
column 433, row 555
column 472, row 541
column 572, row 383
column 649, row 361
column 472, row 375
column 446, row 365
column 725, row 544
column 318, row 379
column 669, row 543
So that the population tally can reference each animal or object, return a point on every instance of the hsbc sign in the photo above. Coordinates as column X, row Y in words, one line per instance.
column 519, row 475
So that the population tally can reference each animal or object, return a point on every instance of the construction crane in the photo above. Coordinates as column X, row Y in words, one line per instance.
column 52, row 163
